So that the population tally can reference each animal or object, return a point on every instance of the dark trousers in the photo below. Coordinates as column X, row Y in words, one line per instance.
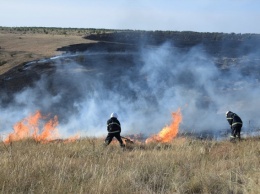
column 110, row 137
column 236, row 129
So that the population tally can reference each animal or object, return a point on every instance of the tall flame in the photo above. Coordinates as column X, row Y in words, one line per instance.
column 169, row 132
column 29, row 128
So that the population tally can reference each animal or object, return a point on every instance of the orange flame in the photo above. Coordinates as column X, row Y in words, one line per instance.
column 29, row 128
column 169, row 132
column 72, row 139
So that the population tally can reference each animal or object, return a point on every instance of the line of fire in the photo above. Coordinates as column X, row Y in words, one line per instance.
column 43, row 130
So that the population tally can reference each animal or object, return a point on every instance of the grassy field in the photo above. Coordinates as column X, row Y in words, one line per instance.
column 85, row 166
column 17, row 47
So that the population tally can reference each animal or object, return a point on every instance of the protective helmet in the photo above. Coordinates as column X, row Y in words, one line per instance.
column 113, row 115
column 227, row 112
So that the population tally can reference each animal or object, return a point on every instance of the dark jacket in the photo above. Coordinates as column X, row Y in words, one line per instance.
column 113, row 125
column 233, row 119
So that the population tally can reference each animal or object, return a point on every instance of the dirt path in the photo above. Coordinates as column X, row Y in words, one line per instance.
column 16, row 49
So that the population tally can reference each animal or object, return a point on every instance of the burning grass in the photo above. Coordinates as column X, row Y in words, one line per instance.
column 34, row 127
column 169, row 132
column 163, row 163
column 86, row 166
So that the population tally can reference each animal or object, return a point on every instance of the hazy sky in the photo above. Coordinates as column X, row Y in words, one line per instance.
column 239, row 16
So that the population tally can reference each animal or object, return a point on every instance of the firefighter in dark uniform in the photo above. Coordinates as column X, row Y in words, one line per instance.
column 235, row 123
column 114, row 130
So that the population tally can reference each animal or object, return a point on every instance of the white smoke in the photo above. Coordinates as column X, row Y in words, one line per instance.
column 143, row 88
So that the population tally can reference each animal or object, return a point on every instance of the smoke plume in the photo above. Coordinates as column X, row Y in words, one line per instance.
column 143, row 88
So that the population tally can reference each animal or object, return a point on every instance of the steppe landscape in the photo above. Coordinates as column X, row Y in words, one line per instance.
column 193, row 161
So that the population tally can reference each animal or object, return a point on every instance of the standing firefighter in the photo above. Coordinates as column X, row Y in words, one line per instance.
column 236, row 124
column 114, row 130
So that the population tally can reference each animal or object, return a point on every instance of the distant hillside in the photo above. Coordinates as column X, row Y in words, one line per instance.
column 226, row 49
column 219, row 44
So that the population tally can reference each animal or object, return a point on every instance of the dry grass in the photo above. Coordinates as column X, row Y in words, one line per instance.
column 17, row 48
column 85, row 166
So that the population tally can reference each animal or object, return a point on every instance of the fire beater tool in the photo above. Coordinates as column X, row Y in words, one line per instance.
column 127, row 139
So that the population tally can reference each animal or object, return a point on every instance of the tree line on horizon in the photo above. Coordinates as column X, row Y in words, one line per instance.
column 83, row 31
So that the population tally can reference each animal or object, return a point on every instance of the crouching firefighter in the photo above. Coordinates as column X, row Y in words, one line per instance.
column 114, row 130
column 235, row 123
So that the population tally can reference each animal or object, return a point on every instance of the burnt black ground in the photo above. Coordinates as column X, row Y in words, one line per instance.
column 225, row 48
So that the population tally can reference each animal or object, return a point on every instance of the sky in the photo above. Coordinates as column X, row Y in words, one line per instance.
column 228, row 16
